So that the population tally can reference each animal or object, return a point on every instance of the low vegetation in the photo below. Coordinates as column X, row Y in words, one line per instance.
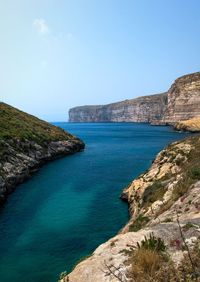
column 17, row 124
column 153, row 192
column 139, row 222
column 150, row 262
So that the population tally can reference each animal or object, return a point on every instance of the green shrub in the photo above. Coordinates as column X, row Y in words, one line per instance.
column 195, row 173
column 187, row 226
column 153, row 193
column 139, row 222
column 152, row 243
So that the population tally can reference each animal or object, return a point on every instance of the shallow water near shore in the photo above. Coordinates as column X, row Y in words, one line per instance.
column 72, row 204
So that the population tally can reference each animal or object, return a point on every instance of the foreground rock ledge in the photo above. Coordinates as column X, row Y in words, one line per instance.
column 170, row 187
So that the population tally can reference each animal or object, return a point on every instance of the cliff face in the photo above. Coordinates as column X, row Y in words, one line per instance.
column 142, row 109
column 25, row 144
column 183, row 99
column 181, row 102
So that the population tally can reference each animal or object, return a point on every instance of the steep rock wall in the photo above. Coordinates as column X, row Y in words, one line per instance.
column 183, row 99
column 142, row 109
column 181, row 102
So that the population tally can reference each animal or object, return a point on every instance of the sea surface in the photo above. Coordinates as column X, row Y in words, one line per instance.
column 72, row 204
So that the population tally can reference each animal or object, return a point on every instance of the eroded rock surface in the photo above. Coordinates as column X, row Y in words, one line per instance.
column 26, row 143
column 183, row 99
column 168, row 191
column 142, row 109
column 192, row 125
column 181, row 102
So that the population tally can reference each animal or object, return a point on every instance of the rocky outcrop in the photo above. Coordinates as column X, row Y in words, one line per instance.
column 183, row 99
column 192, row 125
column 26, row 143
column 115, row 252
column 170, row 189
column 181, row 102
column 142, row 109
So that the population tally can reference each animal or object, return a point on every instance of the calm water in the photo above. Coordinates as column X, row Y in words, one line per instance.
column 72, row 204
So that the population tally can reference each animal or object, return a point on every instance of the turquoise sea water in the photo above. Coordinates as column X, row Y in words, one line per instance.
column 72, row 204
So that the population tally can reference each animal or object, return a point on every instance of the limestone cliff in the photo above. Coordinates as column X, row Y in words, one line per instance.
column 142, row 109
column 170, row 189
column 183, row 99
column 181, row 102
column 26, row 143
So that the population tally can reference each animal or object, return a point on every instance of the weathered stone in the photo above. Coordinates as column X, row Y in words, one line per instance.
column 183, row 99
column 142, row 109
column 181, row 102
column 21, row 156
column 162, row 218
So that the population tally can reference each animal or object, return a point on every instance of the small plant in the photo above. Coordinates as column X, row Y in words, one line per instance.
column 177, row 243
column 64, row 276
column 152, row 243
column 144, row 265
column 139, row 222
column 178, row 162
column 187, row 226
column 153, row 193
column 113, row 243
column 195, row 173
column 168, row 219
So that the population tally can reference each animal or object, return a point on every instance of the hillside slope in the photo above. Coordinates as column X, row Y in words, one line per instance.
column 26, row 143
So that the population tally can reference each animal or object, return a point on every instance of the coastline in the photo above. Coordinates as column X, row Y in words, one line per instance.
column 26, row 143
column 18, row 166
column 152, row 211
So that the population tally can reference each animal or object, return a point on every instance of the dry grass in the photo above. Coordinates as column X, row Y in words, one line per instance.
column 145, row 263
column 152, row 266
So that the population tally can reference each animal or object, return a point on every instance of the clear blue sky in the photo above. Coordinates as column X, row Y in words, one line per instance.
column 57, row 54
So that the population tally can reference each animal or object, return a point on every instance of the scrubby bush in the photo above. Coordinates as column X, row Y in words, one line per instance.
column 152, row 243
column 139, row 222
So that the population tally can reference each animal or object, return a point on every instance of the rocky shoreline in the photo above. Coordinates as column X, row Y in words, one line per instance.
column 25, row 158
column 27, row 143
column 170, row 188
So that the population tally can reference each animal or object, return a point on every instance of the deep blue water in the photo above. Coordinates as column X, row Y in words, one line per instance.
column 72, row 204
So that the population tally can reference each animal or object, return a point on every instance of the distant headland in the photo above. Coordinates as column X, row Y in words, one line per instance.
column 180, row 102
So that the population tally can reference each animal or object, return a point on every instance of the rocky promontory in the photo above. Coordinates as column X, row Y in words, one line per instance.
column 180, row 102
column 192, row 125
column 26, row 143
